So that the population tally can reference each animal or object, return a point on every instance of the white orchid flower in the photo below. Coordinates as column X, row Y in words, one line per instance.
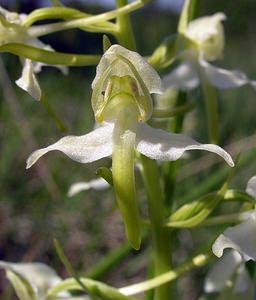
column 206, row 40
column 12, row 31
column 229, row 272
column 240, row 240
column 241, row 237
column 122, row 104
column 32, row 281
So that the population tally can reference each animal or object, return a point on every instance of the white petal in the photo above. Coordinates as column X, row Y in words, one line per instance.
column 241, row 238
column 222, row 78
column 161, row 145
column 96, row 184
column 84, row 149
column 148, row 74
column 184, row 77
column 38, row 275
column 28, row 81
column 221, row 272
column 251, row 187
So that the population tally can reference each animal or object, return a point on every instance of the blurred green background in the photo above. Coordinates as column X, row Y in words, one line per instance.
column 34, row 207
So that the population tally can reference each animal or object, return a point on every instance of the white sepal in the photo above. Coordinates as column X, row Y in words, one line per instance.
column 84, row 149
column 222, row 78
column 161, row 145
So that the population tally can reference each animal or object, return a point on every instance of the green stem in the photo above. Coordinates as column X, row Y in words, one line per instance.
column 40, row 30
column 194, row 9
column 197, row 262
column 50, row 57
column 64, row 13
column 95, row 288
column 125, row 35
column 223, row 220
column 171, row 168
column 174, row 112
column 160, row 236
column 234, row 195
column 210, row 98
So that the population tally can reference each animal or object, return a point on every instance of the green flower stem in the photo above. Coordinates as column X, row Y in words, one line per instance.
column 194, row 9
column 160, row 236
column 125, row 35
column 63, row 13
column 124, row 136
column 40, row 30
column 62, row 127
column 184, row 17
column 197, row 262
column 210, row 97
column 174, row 112
column 94, row 287
column 223, row 220
column 66, row 13
column 50, row 57
column 171, row 168
column 234, row 195
column 189, row 12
